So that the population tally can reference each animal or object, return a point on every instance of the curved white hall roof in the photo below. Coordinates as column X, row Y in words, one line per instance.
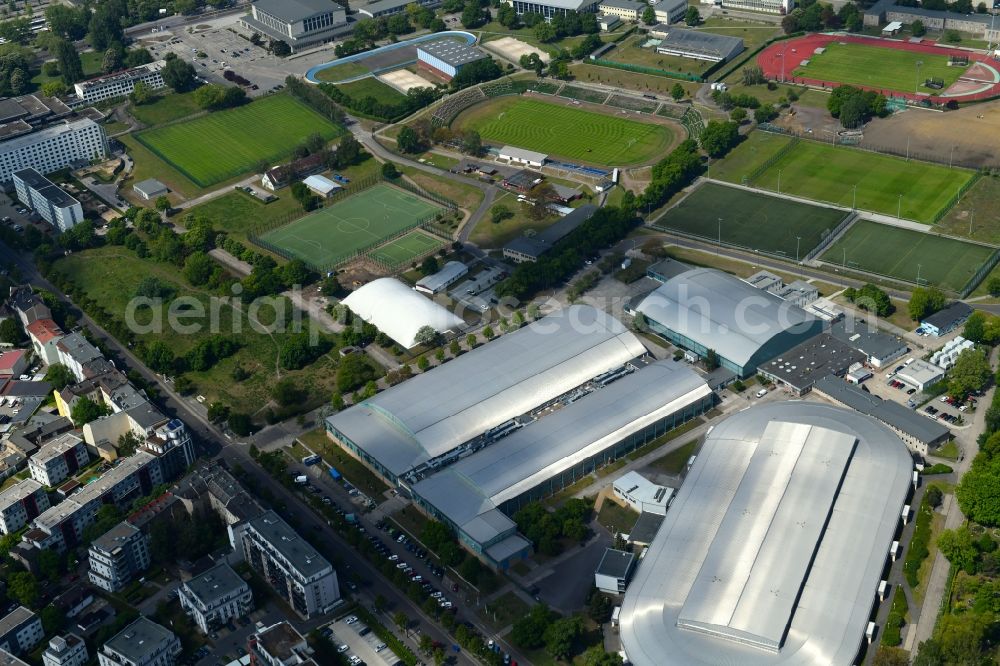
column 398, row 311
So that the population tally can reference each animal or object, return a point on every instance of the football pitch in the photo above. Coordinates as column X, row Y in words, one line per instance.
column 882, row 184
column 879, row 67
column 751, row 220
column 357, row 222
column 406, row 248
column 567, row 132
column 900, row 253
column 224, row 144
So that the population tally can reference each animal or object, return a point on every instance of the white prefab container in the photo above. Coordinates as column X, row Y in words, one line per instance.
column 883, row 587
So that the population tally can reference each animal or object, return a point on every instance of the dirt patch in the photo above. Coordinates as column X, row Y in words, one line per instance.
column 403, row 80
column 972, row 132
column 810, row 120
column 512, row 49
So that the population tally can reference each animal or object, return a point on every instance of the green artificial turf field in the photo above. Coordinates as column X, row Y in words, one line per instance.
column 878, row 67
column 225, row 144
column 826, row 173
column 948, row 263
column 567, row 132
column 357, row 222
column 406, row 248
column 748, row 219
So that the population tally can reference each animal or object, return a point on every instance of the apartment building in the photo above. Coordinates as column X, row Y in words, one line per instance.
column 53, row 148
column 118, row 556
column 121, row 84
column 21, row 503
column 20, row 631
column 58, row 459
column 47, row 199
column 215, row 597
column 142, row 643
column 68, row 650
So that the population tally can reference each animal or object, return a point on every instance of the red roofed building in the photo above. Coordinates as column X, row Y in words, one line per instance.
column 14, row 362
column 44, row 334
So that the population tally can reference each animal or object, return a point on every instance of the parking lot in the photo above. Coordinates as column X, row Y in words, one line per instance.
column 358, row 643
column 476, row 292
column 886, row 385
column 224, row 49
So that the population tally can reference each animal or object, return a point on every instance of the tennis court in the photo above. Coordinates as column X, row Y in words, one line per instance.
column 360, row 221
column 406, row 248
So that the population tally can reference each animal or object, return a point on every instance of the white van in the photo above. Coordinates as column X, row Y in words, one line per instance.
column 761, row 393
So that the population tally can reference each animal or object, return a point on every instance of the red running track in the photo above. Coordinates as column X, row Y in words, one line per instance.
column 794, row 51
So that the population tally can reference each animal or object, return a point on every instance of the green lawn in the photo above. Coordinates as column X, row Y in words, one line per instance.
column 488, row 234
column 616, row 518
column 236, row 212
column 878, row 67
column 572, row 133
column 631, row 51
column 109, row 274
column 977, row 214
column 350, row 225
column 899, row 253
column 165, row 108
column 826, row 173
column 675, row 461
column 342, row 71
column 405, row 249
column 225, row 144
column 372, row 87
column 91, row 62
column 748, row 219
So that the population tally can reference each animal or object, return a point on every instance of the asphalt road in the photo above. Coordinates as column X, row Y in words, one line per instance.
column 212, row 443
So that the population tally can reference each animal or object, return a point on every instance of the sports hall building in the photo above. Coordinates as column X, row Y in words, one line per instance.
column 773, row 550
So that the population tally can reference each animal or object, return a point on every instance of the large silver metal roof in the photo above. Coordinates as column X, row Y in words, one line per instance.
column 433, row 413
column 724, row 313
column 474, row 487
column 762, row 558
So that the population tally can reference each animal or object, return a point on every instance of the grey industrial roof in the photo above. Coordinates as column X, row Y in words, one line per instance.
column 698, row 41
column 802, row 365
column 955, row 311
column 723, row 313
column 217, row 582
column 15, row 619
column 373, row 8
column 891, row 413
column 433, row 413
column 7, row 659
column 646, row 527
column 443, row 277
column 636, row 5
column 774, row 547
column 136, row 641
column 452, row 51
column 543, row 241
column 478, row 485
column 615, row 563
column 866, row 338
column 149, row 187
column 295, row 10
column 289, row 544
column 666, row 269
column 890, row 6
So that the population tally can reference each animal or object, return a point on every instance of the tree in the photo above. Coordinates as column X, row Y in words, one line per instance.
column 23, row 587
column 472, row 143
column 400, row 620
column 488, row 333
column 86, row 410
column 546, row 32
column 426, row 335
column 113, row 59
column 390, row 171
column 353, row 371
column 738, row 115
column 711, row 359
column 59, row 376
column 127, row 444
column 719, row 137
column 10, row 332
column 871, row 299
column 286, row 392
column 105, row 27
column 409, row 141
column 528, row 631
column 924, row 302
column 69, row 62
column 934, row 496
column 649, row 15
column 54, row 88
column 48, row 564
column 141, row 93
column 198, row 268
column 16, row 30
column 473, row 15
column 240, row 423
column 280, row 48
column 66, row 21
column 957, row 546
column 970, row 373
column 53, row 619
column 561, row 635
column 918, row 29
column 764, row 113
column 693, row 16
column 499, row 213
column 596, row 656
column 177, row 74
column 429, row 265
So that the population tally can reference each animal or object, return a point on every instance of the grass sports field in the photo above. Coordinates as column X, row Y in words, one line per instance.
column 878, row 67
column 948, row 263
column 763, row 223
column 568, row 132
column 359, row 221
column 826, row 173
column 405, row 249
column 225, row 144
